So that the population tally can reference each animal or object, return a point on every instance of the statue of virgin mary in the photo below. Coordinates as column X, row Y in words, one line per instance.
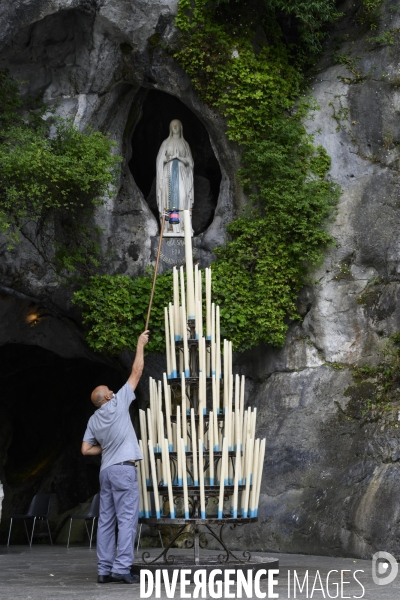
column 174, row 177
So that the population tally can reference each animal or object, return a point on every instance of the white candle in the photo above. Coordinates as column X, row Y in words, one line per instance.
column 214, row 394
column 236, row 483
column 178, row 422
column 201, row 479
column 208, row 305
column 150, row 424
column 185, row 343
column 241, row 406
column 213, row 345
column 154, row 478
column 169, row 483
column 260, row 472
column 211, row 445
column 179, row 460
column 189, row 266
column 144, row 482
column 218, row 341
column 163, row 459
column 167, row 338
column 167, row 402
column 194, row 448
column 176, row 304
column 184, row 479
column 143, row 431
column 201, row 404
column 183, row 295
column 199, row 318
column 226, row 376
column 172, row 338
column 223, row 476
column 216, row 433
column 254, row 469
column 184, row 411
column 249, row 461
column 196, row 299
column 200, row 288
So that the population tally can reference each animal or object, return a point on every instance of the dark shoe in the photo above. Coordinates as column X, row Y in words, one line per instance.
column 103, row 579
column 125, row 578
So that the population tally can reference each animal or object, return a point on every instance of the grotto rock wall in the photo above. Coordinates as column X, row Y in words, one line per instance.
column 331, row 475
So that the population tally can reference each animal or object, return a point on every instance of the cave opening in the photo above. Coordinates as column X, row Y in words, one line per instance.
column 158, row 110
column 44, row 408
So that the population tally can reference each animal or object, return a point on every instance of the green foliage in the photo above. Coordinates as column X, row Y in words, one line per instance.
column 52, row 177
column 260, row 271
column 115, row 308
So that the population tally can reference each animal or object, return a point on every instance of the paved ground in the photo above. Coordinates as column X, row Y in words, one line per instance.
column 46, row 573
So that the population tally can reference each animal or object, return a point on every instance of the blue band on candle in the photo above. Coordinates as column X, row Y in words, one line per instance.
column 211, row 480
column 234, row 514
column 172, row 515
column 213, row 373
column 208, row 337
column 148, row 482
column 168, row 375
column 141, row 514
column 229, row 448
column 180, row 481
column 158, row 514
column 251, row 479
column 187, row 373
column 203, row 514
column 188, row 480
column 226, row 481
column 177, row 338
column 148, row 514
column 204, row 411
column 216, row 448
column 186, row 514
column 171, row 448
column 191, row 317
column 219, row 514
column 197, row 336
column 164, row 484
column 174, row 374
column 244, row 513
column 196, row 482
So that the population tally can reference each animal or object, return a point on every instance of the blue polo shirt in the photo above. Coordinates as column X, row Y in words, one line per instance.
column 112, row 428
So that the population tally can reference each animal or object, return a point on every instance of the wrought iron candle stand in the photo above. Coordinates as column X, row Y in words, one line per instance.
column 195, row 529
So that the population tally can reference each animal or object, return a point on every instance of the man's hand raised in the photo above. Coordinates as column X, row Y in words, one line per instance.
column 143, row 338
column 138, row 363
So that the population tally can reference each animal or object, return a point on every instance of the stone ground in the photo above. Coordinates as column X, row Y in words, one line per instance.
column 49, row 573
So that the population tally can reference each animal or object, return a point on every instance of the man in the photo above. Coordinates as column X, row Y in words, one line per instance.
column 110, row 433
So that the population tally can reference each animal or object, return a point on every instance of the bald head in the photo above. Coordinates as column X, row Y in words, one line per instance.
column 101, row 395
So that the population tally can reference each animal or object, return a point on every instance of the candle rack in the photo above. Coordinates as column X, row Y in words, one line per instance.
column 198, row 442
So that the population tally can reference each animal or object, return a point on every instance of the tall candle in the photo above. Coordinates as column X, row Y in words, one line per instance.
column 172, row 338
column 249, row 461
column 183, row 295
column 196, row 300
column 167, row 402
column 194, row 447
column 179, row 460
column 201, row 479
column 213, row 344
column 226, row 376
column 260, row 471
column 224, row 474
column 167, row 342
column 254, row 470
column 201, row 404
column 154, row 478
column 185, row 343
column 189, row 265
column 163, row 460
column 216, row 433
column 218, row 341
column 211, row 445
column 214, row 394
column 143, row 431
column 176, row 304
column 184, row 479
column 178, row 422
column 236, row 483
column 208, row 305
column 144, row 482
column 184, row 411
column 241, row 406
column 169, row 482
column 150, row 424
column 199, row 318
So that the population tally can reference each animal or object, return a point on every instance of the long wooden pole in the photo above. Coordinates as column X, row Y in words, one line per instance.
column 155, row 273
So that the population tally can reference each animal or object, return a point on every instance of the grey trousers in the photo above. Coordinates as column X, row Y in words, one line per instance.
column 119, row 504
